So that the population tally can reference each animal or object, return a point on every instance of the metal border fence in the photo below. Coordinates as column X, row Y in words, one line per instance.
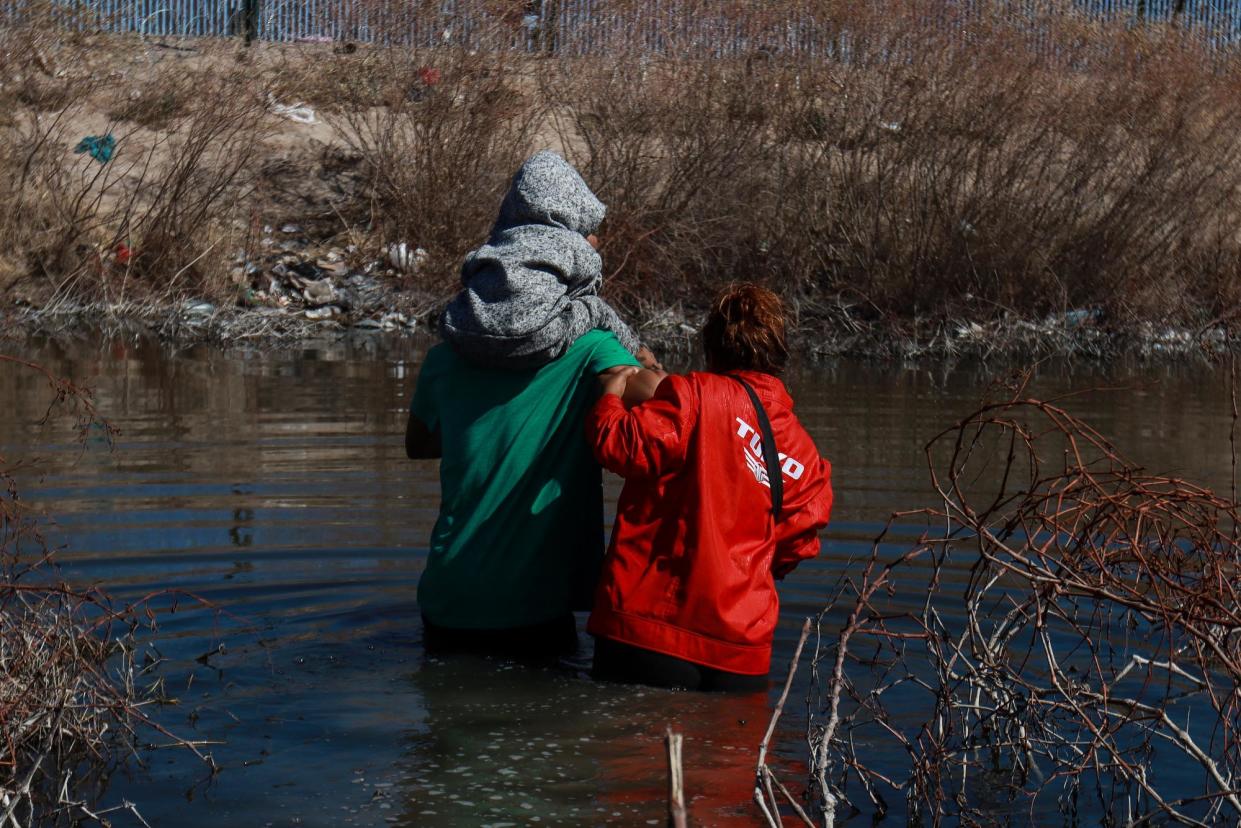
column 573, row 27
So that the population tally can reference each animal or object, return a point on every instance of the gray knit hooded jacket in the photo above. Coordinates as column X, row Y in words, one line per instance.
column 532, row 289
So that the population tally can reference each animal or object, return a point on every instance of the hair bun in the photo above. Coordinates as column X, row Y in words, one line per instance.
column 746, row 331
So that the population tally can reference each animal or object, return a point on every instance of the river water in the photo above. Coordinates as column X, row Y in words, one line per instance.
column 274, row 486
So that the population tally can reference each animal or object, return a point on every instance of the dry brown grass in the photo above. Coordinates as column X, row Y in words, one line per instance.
column 439, row 152
column 161, row 99
column 919, row 177
column 932, row 175
column 154, row 223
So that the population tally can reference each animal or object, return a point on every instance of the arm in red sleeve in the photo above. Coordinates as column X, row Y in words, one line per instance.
column 647, row 440
column 797, row 531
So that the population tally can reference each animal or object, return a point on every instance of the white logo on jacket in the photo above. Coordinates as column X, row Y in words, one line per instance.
column 753, row 451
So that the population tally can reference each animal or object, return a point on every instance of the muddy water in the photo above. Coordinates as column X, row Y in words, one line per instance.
column 274, row 486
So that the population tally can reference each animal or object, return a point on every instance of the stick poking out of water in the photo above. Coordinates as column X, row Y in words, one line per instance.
column 764, row 778
column 677, row 816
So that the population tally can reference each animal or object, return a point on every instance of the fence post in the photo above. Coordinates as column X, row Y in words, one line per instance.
column 550, row 32
column 250, row 19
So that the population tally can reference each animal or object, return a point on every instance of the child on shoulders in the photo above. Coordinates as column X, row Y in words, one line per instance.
column 532, row 290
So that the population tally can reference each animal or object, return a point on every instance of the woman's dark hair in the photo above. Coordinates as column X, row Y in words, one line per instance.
column 745, row 331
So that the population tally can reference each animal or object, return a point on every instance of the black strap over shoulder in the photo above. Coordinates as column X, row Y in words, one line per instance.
column 770, row 456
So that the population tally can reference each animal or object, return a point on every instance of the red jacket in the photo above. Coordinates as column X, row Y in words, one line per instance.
column 691, row 567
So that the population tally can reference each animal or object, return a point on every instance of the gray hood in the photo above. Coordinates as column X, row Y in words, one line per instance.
column 548, row 191
column 530, row 292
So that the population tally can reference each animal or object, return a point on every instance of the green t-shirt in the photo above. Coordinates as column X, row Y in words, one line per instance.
column 519, row 538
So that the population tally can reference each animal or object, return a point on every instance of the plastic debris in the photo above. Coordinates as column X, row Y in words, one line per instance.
column 298, row 112
column 406, row 259
column 305, row 269
column 198, row 309
column 318, row 292
column 1073, row 318
column 100, row 147
column 325, row 312
column 316, row 276
column 1081, row 317
column 972, row 331
column 337, row 269
column 394, row 320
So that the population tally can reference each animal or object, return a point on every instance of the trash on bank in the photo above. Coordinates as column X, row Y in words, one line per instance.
column 1074, row 318
column 393, row 320
column 298, row 112
column 197, row 310
column 100, row 147
column 405, row 258
column 971, row 331
column 325, row 312
column 320, row 292
column 337, row 269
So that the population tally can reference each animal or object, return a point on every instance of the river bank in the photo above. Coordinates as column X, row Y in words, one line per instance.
column 672, row 332
column 981, row 196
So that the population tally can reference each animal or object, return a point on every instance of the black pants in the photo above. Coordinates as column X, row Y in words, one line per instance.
column 549, row 639
column 627, row 664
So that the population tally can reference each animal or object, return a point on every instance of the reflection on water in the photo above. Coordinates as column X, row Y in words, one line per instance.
column 275, row 487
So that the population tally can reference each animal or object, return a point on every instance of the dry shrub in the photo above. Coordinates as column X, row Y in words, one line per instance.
column 331, row 79
column 681, row 153
column 155, row 222
column 44, row 94
column 1060, row 632
column 184, row 212
column 42, row 212
column 27, row 69
column 74, row 697
column 933, row 164
column 439, row 154
column 400, row 38
column 159, row 100
column 982, row 175
column 1064, row 634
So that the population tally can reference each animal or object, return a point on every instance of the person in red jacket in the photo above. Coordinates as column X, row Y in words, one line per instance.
column 724, row 493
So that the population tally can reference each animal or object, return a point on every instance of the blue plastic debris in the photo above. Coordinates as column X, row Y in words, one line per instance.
column 100, row 147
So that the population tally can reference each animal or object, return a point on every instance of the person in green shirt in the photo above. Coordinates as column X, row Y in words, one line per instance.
column 519, row 538
column 518, row 542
